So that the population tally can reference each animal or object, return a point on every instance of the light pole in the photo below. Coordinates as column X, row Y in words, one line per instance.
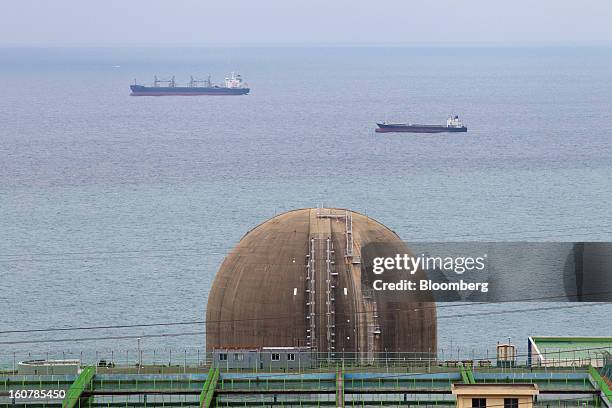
column 139, row 355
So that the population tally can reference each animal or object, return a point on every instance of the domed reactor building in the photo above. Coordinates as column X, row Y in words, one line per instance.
column 300, row 280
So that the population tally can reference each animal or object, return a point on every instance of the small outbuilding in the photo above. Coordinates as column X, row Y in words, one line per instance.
column 495, row 395
column 263, row 358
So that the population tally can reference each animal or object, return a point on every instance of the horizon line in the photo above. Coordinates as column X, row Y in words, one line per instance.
column 416, row 44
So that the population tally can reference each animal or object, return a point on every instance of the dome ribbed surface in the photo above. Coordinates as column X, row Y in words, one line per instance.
column 298, row 280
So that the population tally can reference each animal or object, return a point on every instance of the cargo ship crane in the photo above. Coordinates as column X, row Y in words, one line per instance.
column 156, row 81
column 193, row 83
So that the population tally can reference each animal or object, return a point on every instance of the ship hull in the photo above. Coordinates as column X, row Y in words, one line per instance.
column 404, row 128
column 140, row 90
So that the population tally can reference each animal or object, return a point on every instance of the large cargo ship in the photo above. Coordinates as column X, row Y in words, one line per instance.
column 233, row 86
column 453, row 124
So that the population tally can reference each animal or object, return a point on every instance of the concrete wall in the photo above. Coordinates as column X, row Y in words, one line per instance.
column 42, row 367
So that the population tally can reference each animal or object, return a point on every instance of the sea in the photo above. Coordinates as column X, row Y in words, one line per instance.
column 118, row 210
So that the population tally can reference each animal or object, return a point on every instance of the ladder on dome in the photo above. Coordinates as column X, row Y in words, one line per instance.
column 349, row 234
column 310, row 296
column 331, row 281
column 348, row 230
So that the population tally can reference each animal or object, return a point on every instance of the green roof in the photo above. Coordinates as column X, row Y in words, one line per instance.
column 553, row 348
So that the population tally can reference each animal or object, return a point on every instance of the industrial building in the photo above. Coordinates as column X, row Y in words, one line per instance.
column 299, row 280
column 366, row 386
column 556, row 351
column 264, row 358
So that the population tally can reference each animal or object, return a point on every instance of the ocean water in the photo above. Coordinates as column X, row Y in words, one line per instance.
column 119, row 210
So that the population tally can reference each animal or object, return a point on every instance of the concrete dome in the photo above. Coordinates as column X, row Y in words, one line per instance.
column 298, row 280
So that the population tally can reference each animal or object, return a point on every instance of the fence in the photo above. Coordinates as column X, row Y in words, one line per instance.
column 191, row 359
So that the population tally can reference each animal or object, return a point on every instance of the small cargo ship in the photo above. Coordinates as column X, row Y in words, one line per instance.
column 453, row 124
column 233, row 86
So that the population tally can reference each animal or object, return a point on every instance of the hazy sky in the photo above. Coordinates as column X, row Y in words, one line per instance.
column 312, row 21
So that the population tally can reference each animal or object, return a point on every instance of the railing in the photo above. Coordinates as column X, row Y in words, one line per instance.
column 601, row 382
column 340, row 387
column 199, row 361
column 467, row 375
column 208, row 391
column 336, row 385
column 83, row 381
